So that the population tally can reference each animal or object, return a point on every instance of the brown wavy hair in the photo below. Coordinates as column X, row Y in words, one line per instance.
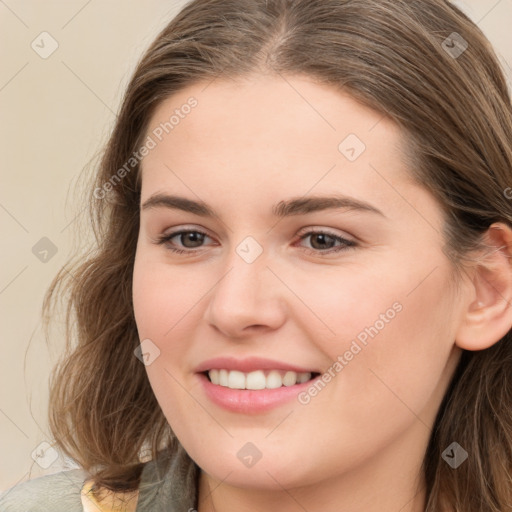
column 392, row 56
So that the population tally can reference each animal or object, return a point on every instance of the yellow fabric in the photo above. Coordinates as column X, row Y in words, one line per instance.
column 118, row 503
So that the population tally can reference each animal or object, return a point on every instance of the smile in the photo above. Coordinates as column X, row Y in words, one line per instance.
column 253, row 385
column 259, row 379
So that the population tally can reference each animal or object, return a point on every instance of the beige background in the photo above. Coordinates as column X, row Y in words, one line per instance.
column 55, row 114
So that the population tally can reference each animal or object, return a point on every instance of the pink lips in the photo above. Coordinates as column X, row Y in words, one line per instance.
column 249, row 365
column 248, row 401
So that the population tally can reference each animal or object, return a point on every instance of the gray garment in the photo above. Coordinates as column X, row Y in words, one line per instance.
column 167, row 485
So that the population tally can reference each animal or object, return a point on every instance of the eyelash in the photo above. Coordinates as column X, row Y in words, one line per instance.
column 346, row 244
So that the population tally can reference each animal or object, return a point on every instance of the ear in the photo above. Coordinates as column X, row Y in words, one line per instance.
column 488, row 314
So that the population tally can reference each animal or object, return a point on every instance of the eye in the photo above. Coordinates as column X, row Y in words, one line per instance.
column 189, row 239
column 322, row 242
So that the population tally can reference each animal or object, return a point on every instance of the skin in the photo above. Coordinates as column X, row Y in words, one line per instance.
column 359, row 444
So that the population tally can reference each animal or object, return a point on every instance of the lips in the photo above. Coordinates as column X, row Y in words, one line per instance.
column 251, row 364
column 252, row 385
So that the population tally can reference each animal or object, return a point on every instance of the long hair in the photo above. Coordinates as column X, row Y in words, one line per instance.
column 422, row 64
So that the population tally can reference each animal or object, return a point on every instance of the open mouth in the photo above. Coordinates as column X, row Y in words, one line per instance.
column 258, row 379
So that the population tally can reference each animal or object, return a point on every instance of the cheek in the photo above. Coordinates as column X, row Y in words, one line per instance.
column 163, row 297
column 343, row 303
column 389, row 361
column 395, row 343
column 163, row 301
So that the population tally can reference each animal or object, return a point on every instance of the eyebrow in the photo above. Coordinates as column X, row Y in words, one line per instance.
column 294, row 206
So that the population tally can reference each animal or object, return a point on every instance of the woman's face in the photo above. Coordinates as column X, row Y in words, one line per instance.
column 308, row 252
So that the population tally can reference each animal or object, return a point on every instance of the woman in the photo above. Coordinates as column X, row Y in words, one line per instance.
column 301, row 294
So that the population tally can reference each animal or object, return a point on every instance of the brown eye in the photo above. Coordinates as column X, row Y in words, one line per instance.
column 324, row 243
column 183, row 241
column 191, row 239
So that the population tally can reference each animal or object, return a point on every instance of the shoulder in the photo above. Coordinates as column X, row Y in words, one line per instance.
column 59, row 492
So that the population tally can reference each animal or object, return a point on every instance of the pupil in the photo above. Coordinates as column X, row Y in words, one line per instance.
column 324, row 240
column 194, row 238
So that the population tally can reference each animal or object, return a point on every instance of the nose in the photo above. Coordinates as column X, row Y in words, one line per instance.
column 247, row 299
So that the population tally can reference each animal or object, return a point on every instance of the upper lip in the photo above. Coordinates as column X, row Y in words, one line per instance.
column 249, row 364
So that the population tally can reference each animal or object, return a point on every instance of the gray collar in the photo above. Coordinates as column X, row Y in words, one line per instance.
column 169, row 483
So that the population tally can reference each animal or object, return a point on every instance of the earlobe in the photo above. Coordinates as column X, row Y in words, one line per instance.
column 488, row 315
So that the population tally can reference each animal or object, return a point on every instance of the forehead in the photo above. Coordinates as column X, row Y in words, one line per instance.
column 273, row 109
column 277, row 135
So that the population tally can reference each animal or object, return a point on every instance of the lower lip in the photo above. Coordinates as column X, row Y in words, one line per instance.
column 249, row 401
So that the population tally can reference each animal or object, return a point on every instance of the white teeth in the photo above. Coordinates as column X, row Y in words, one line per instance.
column 223, row 378
column 256, row 380
column 214, row 376
column 290, row 378
column 236, row 380
column 274, row 380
